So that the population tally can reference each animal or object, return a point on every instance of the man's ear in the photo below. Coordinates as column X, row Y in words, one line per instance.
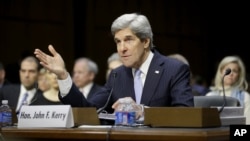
column 92, row 76
column 146, row 42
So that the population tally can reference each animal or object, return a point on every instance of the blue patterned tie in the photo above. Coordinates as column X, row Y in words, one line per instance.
column 138, row 86
column 23, row 102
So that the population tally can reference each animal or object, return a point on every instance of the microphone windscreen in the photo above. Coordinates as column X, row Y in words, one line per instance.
column 228, row 71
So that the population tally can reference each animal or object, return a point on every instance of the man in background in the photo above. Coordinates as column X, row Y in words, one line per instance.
column 27, row 91
column 113, row 61
column 3, row 81
column 84, row 73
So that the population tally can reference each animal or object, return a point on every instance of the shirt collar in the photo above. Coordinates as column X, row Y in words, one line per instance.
column 145, row 65
column 24, row 90
column 87, row 89
column 31, row 93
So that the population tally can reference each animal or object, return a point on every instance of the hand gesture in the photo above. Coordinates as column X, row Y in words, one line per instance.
column 53, row 63
column 128, row 100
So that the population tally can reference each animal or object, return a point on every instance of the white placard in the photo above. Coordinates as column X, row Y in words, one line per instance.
column 46, row 116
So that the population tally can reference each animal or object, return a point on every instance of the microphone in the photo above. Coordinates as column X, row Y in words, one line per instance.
column 228, row 71
column 106, row 104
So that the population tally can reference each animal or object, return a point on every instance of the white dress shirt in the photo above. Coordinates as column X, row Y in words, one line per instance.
column 31, row 94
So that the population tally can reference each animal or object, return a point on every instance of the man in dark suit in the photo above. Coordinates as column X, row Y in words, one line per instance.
column 3, row 80
column 15, row 93
column 166, row 81
column 84, row 73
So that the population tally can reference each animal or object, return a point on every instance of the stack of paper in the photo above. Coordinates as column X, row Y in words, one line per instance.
column 232, row 115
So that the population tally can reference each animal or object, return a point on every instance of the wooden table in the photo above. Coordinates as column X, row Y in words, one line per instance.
column 116, row 133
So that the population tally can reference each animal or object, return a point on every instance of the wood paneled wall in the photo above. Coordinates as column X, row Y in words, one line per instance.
column 82, row 28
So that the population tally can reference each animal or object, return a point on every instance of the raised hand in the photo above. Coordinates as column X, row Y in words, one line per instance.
column 53, row 63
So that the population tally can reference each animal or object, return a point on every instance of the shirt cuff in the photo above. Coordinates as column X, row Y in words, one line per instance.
column 65, row 85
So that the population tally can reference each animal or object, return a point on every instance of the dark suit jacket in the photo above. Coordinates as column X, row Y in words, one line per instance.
column 11, row 93
column 5, row 82
column 41, row 100
column 95, row 88
column 167, row 84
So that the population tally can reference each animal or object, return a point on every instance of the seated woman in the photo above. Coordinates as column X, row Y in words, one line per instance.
column 50, row 94
column 235, row 82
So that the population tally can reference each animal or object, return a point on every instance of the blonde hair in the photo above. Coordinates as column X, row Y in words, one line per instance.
column 48, row 75
column 241, row 83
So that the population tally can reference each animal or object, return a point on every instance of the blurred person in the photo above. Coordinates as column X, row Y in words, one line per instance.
column 27, row 90
column 3, row 80
column 179, row 57
column 50, row 95
column 114, row 61
column 196, row 88
column 199, row 85
column 84, row 73
column 235, row 83
column 164, row 81
column 43, row 82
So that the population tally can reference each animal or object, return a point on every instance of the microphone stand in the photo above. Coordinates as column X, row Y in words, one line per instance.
column 106, row 104
column 228, row 71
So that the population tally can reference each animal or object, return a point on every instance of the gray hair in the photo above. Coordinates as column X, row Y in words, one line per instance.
column 92, row 66
column 115, row 56
column 179, row 57
column 138, row 23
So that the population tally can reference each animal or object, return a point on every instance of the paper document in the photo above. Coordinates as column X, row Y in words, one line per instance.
column 95, row 126
column 106, row 116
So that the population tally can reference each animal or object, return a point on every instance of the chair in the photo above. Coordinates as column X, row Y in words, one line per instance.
column 215, row 101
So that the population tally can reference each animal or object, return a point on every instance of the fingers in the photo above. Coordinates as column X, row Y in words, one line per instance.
column 52, row 50
column 41, row 56
column 115, row 104
column 122, row 100
column 139, row 110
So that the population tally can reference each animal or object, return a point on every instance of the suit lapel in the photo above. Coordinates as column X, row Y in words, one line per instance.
column 18, row 91
column 152, row 79
column 91, row 92
column 13, row 94
column 126, row 87
column 130, row 89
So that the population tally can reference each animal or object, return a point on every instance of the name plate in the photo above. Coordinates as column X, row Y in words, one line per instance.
column 46, row 116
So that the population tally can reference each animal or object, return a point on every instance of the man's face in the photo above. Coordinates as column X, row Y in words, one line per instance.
column 81, row 74
column 28, row 74
column 2, row 76
column 132, row 50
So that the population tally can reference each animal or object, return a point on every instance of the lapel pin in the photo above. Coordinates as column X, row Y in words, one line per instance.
column 157, row 72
